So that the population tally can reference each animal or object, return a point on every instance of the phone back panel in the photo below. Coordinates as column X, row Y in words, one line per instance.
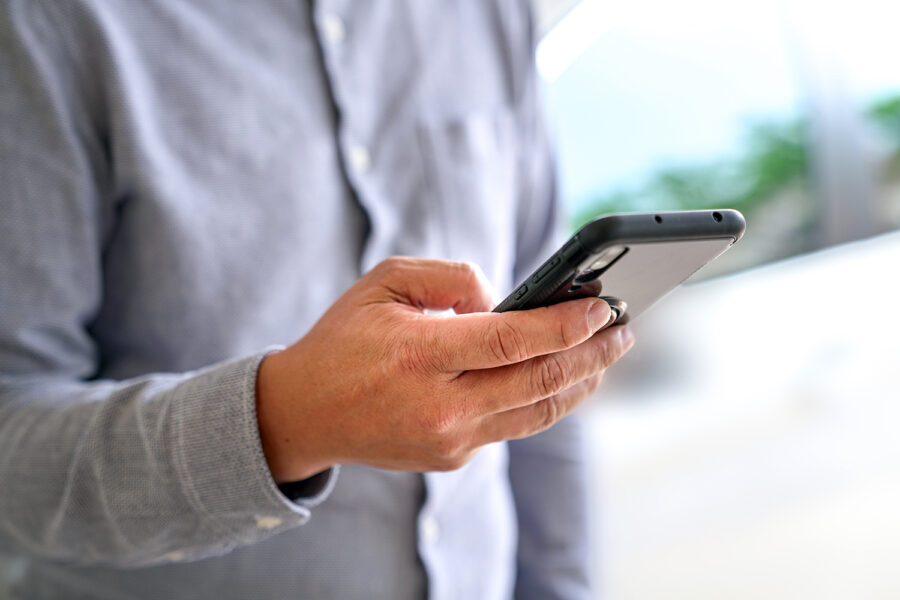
column 645, row 273
column 658, row 252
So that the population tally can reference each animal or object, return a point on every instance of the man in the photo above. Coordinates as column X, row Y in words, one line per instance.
column 188, row 184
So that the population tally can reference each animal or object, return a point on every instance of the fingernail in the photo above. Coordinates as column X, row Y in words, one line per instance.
column 626, row 337
column 599, row 314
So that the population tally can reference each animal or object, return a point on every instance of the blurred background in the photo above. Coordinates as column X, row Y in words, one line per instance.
column 747, row 447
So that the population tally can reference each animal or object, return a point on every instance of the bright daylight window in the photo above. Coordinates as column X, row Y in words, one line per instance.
column 787, row 111
column 746, row 448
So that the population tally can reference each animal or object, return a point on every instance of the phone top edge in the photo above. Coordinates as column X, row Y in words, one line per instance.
column 621, row 228
column 662, row 226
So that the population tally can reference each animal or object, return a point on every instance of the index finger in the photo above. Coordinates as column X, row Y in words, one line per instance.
column 488, row 340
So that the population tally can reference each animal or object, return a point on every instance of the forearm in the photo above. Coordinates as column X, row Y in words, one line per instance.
column 154, row 469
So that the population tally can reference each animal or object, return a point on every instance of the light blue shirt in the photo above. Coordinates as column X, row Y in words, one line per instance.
column 186, row 184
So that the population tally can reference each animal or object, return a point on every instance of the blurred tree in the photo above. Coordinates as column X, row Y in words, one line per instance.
column 775, row 159
column 885, row 114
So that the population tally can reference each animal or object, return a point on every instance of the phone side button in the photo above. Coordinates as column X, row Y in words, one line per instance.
column 545, row 269
column 521, row 292
column 571, row 248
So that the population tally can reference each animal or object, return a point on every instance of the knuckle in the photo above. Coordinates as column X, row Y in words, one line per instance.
column 606, row 355
column 387, row 270
column 469, row 269
column 550, row 411
column 457, row 461
column 392, row 263
column 472, row 274
column 550, row 375
column 438, row 422
column 506, row 343
column 451, row 451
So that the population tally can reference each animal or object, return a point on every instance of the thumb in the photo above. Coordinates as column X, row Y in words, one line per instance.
column 435, row 284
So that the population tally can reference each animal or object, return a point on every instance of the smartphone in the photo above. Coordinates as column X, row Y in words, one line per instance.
column 629, row 260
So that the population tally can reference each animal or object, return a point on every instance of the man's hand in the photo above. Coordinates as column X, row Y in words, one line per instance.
column 379, row 381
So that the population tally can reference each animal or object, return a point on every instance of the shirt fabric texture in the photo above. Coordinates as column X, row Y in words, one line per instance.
column 186, row 185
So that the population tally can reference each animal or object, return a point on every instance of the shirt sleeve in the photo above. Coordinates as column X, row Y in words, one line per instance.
column 159, row 468
column 547, row 471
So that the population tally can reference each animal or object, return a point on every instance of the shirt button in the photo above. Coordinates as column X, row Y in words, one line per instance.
column 333, row 28
column 360, row 160
column 430, row 530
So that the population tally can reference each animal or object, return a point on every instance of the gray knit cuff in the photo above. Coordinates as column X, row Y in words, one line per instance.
column 219, row 456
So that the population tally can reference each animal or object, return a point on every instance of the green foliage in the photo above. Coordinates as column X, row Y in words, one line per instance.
column 775, row 158
column 885, row 114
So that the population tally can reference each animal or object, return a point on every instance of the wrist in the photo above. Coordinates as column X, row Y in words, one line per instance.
column 292, row 454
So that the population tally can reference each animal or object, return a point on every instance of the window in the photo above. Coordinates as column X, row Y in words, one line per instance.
column 787, row 111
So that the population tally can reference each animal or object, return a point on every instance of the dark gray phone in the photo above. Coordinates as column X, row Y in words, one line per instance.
column 630, row 260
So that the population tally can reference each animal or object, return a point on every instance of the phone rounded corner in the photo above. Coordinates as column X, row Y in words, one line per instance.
column 598, row 232
column 733, row 222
